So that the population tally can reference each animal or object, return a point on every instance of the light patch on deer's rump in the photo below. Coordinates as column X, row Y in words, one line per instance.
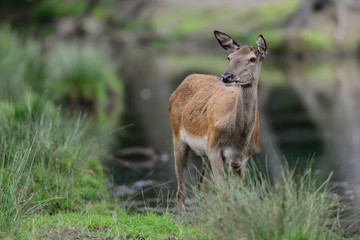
column 197, row 144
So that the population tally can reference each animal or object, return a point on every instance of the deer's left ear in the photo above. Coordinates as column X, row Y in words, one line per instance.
column 262, row 47
column 226, row 42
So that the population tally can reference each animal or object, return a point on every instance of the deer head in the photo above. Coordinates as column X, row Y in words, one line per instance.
column 245, row 61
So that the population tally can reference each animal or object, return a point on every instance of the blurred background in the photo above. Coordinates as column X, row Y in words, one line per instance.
column 118, row 61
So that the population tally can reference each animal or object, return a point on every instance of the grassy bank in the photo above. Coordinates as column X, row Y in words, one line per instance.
column 295, row 207
column 48, row 163
column 50, row 155
column 52, row 187
column 105, row 221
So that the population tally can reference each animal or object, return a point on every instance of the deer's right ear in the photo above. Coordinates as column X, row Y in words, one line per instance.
column 262, row 47
column 226, row 42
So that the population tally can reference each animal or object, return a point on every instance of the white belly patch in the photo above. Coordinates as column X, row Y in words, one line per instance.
column 197, row 144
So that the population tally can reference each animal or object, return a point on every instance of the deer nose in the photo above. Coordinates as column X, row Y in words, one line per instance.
column 227, row 77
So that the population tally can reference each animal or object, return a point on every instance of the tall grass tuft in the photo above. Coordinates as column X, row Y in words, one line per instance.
column 80, row 77
column 254, row 208
column 83, row 77
column 47, row 162
column 20, row 64
column 14, row 195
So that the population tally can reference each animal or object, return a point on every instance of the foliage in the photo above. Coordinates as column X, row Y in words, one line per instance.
column 295, row 208
column 41, row 11
column 78, row 77
column 313, row 40
column 181, row 23
column 83, row 78
column 47, row 162
column 19, row 64
column 103, row 221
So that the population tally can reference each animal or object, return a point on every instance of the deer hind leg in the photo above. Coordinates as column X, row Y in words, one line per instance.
column 205, row 174
column 181, row 151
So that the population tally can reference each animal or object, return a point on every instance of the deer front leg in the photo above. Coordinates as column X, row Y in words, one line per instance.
column 216, row 164
column 238, row 168
column 181, row 151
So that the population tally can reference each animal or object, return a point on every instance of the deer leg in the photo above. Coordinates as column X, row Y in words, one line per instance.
column 181, row 151
column 237, row 169
column 216, row 164
column 205, row 174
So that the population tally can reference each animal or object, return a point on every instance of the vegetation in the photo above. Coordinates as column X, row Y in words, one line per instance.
column 105, row 221
column 57, row 96
column 294, row 208
column 47, row 162
column 84, row 78
column 43, row 11
column 80, row 78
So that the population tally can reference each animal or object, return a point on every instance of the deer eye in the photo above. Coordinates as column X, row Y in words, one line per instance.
column 252, row 60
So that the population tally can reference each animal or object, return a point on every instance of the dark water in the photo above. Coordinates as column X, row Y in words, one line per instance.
column 308, row 111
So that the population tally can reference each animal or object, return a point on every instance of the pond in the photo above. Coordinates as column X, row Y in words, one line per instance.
column 309, row 112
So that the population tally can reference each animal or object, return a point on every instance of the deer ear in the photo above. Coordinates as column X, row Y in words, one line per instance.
column 262, row 47
column 226, row 42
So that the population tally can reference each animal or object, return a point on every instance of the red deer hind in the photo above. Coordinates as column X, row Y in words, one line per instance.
column 217, row 117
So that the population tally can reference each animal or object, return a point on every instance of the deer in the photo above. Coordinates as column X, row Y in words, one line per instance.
column 216, row 117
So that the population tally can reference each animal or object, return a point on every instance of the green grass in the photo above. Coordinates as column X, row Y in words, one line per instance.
column 19, row 64
column 47, row 162
column 295, row 208
column 82, row 77
column 79, row 77
column 103, row 221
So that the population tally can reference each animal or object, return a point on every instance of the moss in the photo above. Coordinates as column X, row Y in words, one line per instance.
column 106, row 221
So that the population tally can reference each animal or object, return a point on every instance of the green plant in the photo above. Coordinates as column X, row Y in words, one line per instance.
column 20, row 64
column 14, row 195
column 41, row 11
column 313, row 40
column 47, row 161
column 103, row 221
column 83, row 77
column 254, row 208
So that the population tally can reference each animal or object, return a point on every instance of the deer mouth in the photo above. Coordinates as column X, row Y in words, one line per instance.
column 236, row 83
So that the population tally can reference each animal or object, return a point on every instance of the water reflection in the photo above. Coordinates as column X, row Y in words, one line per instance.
column 314, row 110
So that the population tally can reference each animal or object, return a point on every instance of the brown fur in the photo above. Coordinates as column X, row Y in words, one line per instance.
column 220, row 122
column 202, row 101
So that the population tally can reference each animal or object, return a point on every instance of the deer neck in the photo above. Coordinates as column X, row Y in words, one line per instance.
column 245, row 111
